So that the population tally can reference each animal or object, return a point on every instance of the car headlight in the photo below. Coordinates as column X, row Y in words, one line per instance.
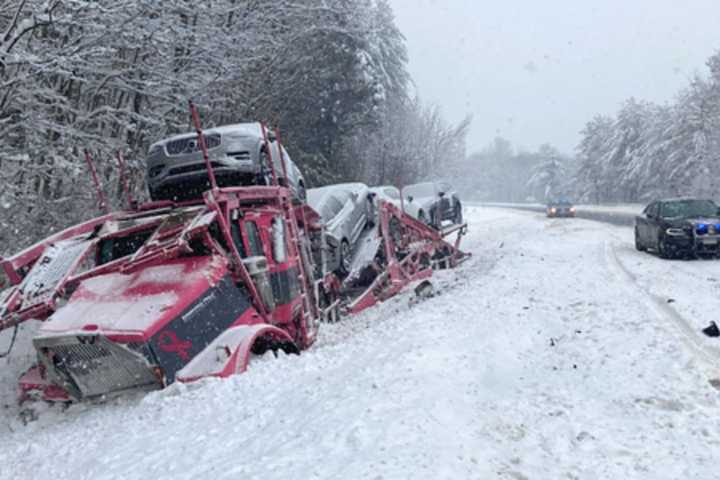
column 676, row 232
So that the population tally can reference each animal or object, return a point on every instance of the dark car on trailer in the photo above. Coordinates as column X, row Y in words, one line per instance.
column 679, row 227
column 239, row 155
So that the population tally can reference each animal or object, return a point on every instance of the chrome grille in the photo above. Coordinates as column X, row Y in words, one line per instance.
column 191, row 145
column 89, row 366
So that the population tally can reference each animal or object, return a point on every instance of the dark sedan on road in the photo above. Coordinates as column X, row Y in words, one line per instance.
column 561, row 207
column 679, row 227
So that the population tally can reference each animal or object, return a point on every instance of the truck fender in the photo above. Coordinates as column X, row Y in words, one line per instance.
column 229, row 354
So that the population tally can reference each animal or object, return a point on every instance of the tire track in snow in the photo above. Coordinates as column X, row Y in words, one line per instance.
column 687, row 333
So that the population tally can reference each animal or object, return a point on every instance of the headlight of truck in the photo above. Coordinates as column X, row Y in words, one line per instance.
column 676, row 232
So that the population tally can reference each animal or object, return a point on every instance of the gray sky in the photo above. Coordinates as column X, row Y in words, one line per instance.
column 535, row 71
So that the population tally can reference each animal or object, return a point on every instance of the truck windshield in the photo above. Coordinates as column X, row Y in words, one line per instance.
column 110, row 249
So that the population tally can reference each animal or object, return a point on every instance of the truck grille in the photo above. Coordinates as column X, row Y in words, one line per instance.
column 90, row 366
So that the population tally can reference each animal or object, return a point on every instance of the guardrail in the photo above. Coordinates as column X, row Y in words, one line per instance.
column 620, row 218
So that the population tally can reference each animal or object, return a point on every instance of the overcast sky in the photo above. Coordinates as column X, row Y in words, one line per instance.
column 535, row 71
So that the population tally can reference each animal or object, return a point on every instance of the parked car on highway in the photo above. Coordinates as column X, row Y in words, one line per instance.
column 176, row 168
column 676, row 227
column 433, row 203
column 560, row 207
column 346, row 209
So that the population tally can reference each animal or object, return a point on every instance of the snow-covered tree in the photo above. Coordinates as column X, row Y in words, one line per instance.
column 117, row 75
column 549, row 177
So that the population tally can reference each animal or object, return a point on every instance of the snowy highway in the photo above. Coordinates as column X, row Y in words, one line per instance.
column 556, row 351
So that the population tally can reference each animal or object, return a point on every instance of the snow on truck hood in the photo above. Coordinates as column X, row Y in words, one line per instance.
column 135, row 303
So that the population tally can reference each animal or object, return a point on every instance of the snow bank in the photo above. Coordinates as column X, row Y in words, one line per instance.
column 535, row 359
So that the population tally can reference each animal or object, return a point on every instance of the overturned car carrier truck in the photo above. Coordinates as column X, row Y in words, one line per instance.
column 177, row 291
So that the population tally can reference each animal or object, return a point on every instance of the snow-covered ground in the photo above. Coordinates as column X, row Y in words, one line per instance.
column 628, row 208
column 552, row 353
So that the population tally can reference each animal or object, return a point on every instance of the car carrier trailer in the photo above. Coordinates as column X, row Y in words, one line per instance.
column 165, row 292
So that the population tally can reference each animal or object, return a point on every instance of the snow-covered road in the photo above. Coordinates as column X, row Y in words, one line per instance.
column 552, row 353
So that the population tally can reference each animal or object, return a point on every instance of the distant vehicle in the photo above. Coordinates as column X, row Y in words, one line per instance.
column 433, row 203
column 346, row 209
column 176, row 168
column 677, row 227
column 561, row 207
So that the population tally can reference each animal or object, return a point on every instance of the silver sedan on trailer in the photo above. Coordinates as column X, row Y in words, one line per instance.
column 346, row 209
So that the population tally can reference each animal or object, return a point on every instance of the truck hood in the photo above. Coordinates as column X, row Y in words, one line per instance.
column 137, row 303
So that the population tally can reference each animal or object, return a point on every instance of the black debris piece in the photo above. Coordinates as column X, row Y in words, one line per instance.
column 712, row 330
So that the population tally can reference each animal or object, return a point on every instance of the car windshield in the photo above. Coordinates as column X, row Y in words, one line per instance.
column 420, row 190
column 689, row 208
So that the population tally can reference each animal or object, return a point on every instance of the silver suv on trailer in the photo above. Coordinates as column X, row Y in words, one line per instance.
column 238, row 154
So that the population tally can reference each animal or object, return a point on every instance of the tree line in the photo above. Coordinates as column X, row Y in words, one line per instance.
column 648, row 151
column 644, row 152
column 111, row 76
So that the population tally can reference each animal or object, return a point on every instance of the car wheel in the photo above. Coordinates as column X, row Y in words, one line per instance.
column 458, row 216
column 301, row 192
column 370, row 212
column 663, row 250
column 436, row 218
column 345, row 258
column 638, row 244
column 423, row 218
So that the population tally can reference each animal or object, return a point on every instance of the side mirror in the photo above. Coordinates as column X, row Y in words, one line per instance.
column 410, row 198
